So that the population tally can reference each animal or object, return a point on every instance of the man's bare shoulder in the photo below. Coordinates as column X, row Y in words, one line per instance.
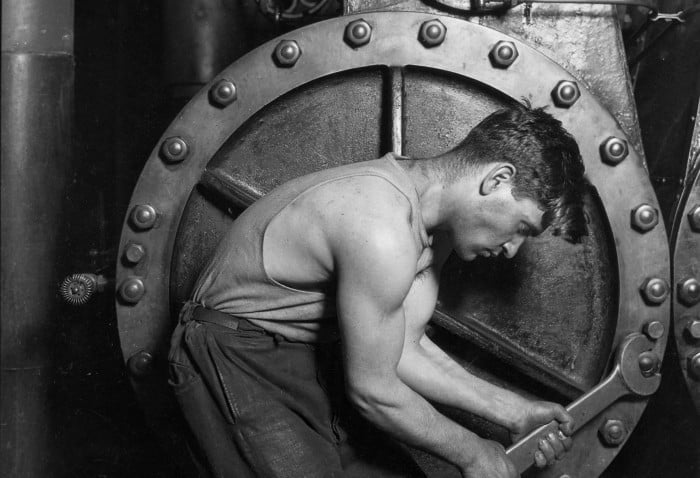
column 362, row 198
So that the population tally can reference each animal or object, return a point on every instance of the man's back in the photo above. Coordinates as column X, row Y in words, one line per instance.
column 275, row 266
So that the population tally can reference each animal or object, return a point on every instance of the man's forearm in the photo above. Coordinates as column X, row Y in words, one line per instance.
column 403, row 413
column 433, row 374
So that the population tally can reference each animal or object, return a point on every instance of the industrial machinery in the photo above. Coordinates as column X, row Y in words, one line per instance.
column 317, row 84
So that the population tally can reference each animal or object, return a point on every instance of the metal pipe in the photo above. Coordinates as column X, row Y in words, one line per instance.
column 200, row 39
column 37, row 103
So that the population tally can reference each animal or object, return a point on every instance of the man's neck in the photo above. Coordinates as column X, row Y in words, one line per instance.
column 433, row 188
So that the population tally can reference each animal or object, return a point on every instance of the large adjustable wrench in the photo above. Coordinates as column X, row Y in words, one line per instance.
column 635, row 373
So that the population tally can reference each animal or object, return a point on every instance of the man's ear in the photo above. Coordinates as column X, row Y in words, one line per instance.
column 501, row 173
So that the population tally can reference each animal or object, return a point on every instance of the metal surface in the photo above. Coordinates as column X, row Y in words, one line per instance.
column 686, row 272
column 627, row 378
column 257, row 154
column 37, row 128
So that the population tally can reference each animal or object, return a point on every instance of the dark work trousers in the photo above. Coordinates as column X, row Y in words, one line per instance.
column 261, row 406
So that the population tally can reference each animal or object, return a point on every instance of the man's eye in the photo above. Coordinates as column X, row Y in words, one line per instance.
column 524, row 230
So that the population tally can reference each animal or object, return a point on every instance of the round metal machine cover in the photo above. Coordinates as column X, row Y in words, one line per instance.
column 544, row 324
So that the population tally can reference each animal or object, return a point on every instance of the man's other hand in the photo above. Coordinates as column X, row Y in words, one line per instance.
column 554, row 445
column 490, row 461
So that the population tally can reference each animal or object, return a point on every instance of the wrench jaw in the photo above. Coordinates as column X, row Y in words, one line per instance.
column 636, row 373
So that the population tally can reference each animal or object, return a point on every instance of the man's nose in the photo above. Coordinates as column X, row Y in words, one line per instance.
column 511, row 247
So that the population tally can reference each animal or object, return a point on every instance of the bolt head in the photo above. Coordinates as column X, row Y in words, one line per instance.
column 654, row 330
column 613, row 150
column 566, row 93
column 131, row 290
column 694, row 218
column 358, row 33
column 689, row 291
column 654, row 290
column 648, row 363
column 287, row 53
column 644, row 218
column 223, row 93
column 140, row 364
column 612, row 432
column 432, row 33
column 174, row 150
column 143, row 217
column 503, row 54
column 134, row 253
column 692, row 327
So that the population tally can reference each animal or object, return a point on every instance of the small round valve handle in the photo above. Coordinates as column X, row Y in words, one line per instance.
column 77, row 289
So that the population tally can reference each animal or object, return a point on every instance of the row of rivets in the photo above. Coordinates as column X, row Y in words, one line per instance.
column 142, row 218
column 655, row 291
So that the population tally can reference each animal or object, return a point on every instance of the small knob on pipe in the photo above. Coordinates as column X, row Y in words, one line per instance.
column 78, row 289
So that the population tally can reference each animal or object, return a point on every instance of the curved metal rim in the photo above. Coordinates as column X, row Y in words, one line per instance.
column 686, row 263
column 394, row 42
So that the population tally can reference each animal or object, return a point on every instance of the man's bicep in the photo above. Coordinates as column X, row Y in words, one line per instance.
column 372, row 285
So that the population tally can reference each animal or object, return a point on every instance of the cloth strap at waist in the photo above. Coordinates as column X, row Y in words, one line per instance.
column 199, row 313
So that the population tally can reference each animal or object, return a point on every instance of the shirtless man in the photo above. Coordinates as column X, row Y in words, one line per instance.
column 303, row 348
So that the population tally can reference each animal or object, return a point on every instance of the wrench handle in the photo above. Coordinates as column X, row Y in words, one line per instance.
column 585, row 408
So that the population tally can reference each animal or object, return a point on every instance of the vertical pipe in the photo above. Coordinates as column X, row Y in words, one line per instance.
column 200, row 39
column 37, row 118
column 396, row 102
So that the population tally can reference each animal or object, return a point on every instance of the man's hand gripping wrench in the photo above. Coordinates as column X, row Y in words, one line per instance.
column 635, row 373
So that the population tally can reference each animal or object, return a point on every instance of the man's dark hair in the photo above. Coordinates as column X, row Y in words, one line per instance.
column 547, row 159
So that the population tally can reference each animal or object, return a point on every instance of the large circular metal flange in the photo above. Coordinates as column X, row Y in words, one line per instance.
column 395, row 43
column 686, row 274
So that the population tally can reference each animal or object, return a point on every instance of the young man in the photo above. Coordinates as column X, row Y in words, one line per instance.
column 304, row 344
